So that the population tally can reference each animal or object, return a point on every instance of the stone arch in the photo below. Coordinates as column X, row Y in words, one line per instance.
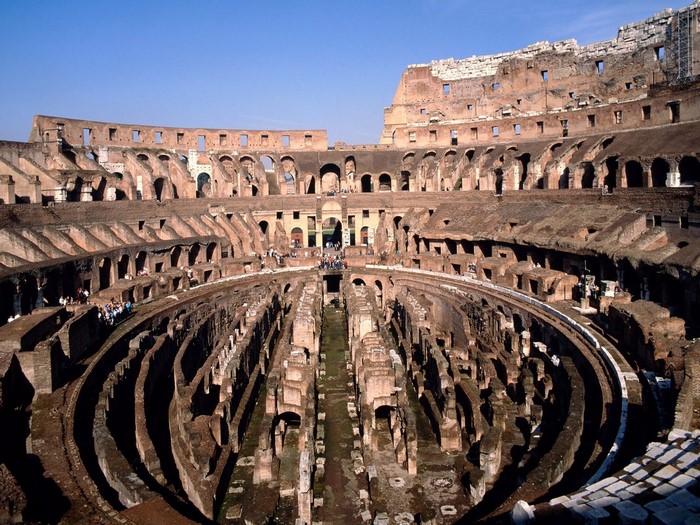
column 193, row 254
column 268, row 163
column 297, row 237
column 163, row 157
column 689, row 168
column 366, row 183
column 588, row 178
column 265, row 229
column 379, row 293
column 247, row 168
column 123, row 266
column 282, row 424
column 212, row 252
column 27, row 290
column 310, row 184
column 564, row 179
column 203, row 185
column 364, row 235
column 98, row 191
column 77, row 189
column 176, row 257
column 611, row 166
column 358, row 282
column 159, row 186
column 634, row 174
column 405, row 180
column 330, row 178
column 105, row 267
column 385, row 182
column 332, row 230
column 7, row 303
column 659, row 172
column 524, row 162
column 142, row 157
column 141, row 262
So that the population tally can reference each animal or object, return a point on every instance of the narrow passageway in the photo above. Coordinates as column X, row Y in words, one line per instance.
column 341, row 486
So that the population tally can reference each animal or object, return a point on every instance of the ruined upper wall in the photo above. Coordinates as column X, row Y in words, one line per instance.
column 629, row 38
column 77, row 132
column 553, row 89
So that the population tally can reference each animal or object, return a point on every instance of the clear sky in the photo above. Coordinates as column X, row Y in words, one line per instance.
column 255, row 64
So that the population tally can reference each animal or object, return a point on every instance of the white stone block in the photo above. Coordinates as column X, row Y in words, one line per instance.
column 448, row 510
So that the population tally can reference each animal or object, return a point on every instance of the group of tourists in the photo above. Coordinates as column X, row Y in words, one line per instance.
column 332, row 262
column 112, row 312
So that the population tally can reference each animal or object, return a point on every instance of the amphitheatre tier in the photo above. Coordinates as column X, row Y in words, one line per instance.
column 175, row 259
column 492, row 316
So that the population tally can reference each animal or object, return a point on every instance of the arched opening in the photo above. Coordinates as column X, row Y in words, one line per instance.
column 141, row 263
column 564, row 179
column 310, row 184
column 158, row 186
column 611, row 178
column 7, row 301
column 366, row 183
column 28, row 294
column 98, row 193
column 405, row 178
column 227, row 163
column 164, row 158
column 689, row 168
column 211, row 252
column 659, row 172
column 193, row 256
column 288, row 173
column 350, row 170
column 203, row 185
column 518, row 324
column 332, row 232
column 254, row 190
column 634, row 174
column 364, row 235
column 524, row 161
column 384, row 182
column 379, row 293
column 286, row 431
column 384, row 418
column 268, row 163
column 397, row 221
column 358, row 282
column 105, row 273
column 297, row 237
column 499, row 181
column 74, row 194
column 175, row 254
column 588, row 177
column 330, row 178
column 123, row 267
column 264, row 228
column 142, row 157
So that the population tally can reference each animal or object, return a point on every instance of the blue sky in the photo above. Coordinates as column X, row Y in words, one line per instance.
column 254, row 64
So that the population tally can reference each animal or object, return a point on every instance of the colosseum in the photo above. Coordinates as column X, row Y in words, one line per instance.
column 489, row 316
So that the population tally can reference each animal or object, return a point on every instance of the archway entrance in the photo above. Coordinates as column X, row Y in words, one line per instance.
column 659, row 172
column 332, row 232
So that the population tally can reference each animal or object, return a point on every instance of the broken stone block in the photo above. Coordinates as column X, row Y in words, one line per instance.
column 234, row 512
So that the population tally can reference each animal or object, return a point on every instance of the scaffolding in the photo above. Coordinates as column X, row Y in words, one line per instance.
column 684, row 46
